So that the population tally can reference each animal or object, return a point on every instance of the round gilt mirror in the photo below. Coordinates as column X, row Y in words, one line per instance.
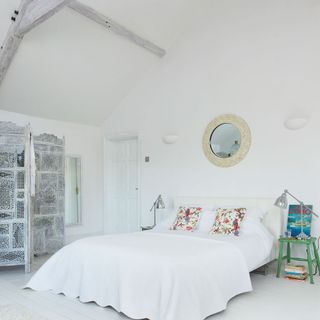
column 227, row 140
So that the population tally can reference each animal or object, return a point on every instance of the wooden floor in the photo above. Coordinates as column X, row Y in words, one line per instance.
column 47, row 304
column 271, row 299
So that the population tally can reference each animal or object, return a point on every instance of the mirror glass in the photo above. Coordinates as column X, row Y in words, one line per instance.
column 225, row 140
column 73, row 190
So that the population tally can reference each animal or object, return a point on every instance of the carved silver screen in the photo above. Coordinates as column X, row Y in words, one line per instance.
column 48, row 205
column 48, row 218
column 12, row 199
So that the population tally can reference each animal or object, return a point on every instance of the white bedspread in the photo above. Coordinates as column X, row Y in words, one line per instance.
column 160, row 276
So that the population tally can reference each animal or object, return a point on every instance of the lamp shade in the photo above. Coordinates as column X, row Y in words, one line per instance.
column 282, row 201
column 160, row 203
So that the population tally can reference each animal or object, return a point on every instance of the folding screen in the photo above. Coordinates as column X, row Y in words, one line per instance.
column 48, row 205
column 30, row 225
column 13, row 218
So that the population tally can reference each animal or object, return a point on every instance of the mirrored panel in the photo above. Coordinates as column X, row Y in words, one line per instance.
column 73, row 190
column 225, row 140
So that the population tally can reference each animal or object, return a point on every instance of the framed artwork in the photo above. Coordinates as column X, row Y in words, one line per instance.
column 295, row 222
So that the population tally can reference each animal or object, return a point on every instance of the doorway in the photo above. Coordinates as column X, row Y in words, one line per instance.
column 122, row 185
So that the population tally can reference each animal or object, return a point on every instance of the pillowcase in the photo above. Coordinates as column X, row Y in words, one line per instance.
column 254, row 214
column 166, row 221
column 187, row 218
column 207, row 220
column 253, row 219
column 228, row 221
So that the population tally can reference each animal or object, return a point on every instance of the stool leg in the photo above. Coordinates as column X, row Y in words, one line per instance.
column 316, row 255
column 280, row 259
column 288, row 252
column 310, row 264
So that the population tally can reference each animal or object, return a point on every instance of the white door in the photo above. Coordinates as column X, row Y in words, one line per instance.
column 123, row 186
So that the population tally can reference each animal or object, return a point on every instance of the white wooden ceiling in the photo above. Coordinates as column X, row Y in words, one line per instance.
column 72, row 69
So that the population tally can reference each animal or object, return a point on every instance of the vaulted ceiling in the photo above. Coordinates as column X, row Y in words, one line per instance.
column 72, row 69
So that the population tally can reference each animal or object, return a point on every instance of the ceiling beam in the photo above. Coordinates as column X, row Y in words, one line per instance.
column 30, row 14
column 33, row 12
column 39, row 11
column 12, row 40
column 115, row 27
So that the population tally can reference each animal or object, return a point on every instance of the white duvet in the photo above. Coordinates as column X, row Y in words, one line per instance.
column 155, row 275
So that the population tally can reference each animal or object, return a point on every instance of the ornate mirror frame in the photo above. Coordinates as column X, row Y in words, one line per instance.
column 245, row 140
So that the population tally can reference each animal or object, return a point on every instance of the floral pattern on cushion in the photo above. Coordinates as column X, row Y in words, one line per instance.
column 228, row 221
column 187, row 218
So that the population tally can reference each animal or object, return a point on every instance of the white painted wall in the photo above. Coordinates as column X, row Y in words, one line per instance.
column 80, row 140
column 257, row 59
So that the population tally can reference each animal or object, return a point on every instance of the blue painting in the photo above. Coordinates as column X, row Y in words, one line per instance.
column 295, row 223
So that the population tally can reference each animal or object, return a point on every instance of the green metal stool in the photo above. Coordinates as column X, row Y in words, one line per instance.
column 309, row 243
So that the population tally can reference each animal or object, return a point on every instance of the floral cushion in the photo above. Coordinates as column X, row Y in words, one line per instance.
column 228, row 221
column 187, row 218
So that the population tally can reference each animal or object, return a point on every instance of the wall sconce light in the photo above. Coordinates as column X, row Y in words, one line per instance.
column 296, row 122
column 170, row 138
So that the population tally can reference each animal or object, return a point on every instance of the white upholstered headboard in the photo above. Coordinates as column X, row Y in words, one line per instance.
column 273, row 220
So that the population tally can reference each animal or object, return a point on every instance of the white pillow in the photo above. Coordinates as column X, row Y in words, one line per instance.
column 254, row 214
column 207, row 220
column 166, row 223
column 252, row 220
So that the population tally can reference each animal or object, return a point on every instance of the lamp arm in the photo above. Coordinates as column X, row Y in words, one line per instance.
column 301, row 203
column 155, row 203
column 291, row 195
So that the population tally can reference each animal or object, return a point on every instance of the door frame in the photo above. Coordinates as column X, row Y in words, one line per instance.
column 79, row 156
column 108, row 226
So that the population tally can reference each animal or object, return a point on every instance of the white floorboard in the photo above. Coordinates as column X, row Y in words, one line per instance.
column 272, row 298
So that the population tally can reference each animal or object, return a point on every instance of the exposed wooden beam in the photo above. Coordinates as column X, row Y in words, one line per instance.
column 115, row 27
column 38, row 11
column 30, row 14
column 12, row 40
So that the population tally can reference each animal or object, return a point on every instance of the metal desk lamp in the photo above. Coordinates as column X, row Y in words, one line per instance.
column 158, row 204
column 282, row 202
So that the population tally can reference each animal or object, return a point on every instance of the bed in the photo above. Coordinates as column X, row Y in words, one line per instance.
column 163, row 274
